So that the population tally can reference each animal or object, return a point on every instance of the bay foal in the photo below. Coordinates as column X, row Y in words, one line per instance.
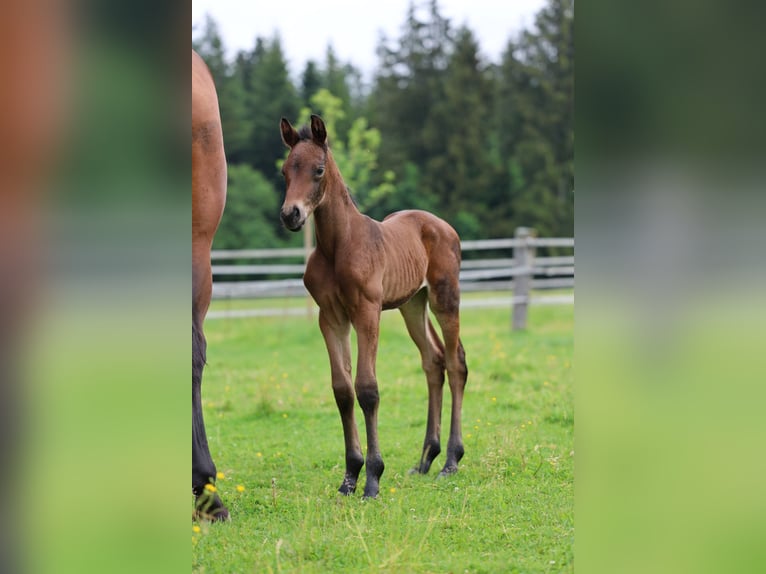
column 208, row 199
column 359, row 268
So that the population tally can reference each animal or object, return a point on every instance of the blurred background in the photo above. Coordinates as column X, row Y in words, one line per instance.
column 94, row 285
column 670, row 306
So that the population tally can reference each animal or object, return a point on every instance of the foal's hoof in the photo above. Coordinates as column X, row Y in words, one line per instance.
column 371, row 492
column 210, row 507
column 422, row 468
column 447, row 470
column 347, row 487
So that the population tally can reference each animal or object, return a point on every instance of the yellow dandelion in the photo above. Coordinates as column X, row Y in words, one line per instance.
column 284, row 415
column 240, row 488
column 220, row 475
column 494, row 399
column 469, row 435
column 475, row 427
column 523, row 426
column 284, row 375
column 392, row 490
column 259, row 454
column 196, row 528
column 529, row 422
column 210, row 487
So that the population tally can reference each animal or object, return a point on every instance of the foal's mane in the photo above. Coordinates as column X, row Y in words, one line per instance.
column 304, row 133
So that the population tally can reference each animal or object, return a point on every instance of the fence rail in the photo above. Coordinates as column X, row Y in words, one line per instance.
column 248, row 274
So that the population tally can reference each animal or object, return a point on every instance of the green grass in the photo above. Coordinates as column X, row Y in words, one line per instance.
column 274, row 429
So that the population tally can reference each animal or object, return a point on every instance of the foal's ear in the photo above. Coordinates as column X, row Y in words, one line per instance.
column 318, row 131
column 289, row 135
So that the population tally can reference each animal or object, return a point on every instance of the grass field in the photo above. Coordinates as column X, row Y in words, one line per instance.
column 276, row 437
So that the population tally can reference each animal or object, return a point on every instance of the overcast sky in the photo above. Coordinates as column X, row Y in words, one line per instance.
column 353, row 27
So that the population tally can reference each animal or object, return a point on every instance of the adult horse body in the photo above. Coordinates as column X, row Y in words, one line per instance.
column 208, row 199
column 360, row 267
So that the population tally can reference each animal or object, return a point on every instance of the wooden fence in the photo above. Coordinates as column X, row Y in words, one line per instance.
column 512, row 265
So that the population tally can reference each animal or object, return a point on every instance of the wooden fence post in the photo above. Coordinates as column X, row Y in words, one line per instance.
column 524, row 261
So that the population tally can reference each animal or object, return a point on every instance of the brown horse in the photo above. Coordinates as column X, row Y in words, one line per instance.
column 208, row 199
column 360, row 267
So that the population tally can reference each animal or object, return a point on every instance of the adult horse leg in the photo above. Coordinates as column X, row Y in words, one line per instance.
column 336, row 335
column 208, row 200
column 208, row 504
column 415, row 313
column 445, row 303
column 367, row 324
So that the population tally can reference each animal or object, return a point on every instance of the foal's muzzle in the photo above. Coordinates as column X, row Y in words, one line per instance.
column 293, row 217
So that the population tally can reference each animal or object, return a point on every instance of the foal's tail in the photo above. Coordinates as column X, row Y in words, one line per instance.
column 435, row 336
column 461, row 357
column 199, row 347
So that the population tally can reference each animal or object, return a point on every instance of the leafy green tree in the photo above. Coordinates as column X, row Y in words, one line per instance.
column 270, row 95
column 407, row 193
column 231, row 92
column 251, row 217
column 434, row 97
column 408, row 87
column 336, row 82
column 463, row 172
column 311, row 82
column 535, row 114
column 209, row 44
column 342, row 80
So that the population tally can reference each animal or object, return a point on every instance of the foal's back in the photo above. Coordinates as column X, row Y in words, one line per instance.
column 434, row 233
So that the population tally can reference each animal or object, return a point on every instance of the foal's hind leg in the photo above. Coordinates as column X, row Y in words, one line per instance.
column 415, row 313
column 444, row 298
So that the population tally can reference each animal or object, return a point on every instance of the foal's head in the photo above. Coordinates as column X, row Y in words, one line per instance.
column 304, row 171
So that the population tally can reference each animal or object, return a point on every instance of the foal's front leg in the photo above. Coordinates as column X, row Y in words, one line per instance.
column 336, row 335
column 367, row 324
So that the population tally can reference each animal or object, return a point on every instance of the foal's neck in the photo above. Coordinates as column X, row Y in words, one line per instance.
column 336, row 215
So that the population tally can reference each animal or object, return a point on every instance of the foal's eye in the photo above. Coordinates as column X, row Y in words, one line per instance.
column 319, row 172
